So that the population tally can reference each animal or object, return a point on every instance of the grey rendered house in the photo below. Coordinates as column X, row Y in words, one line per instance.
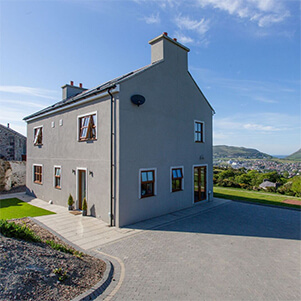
column 136, row 147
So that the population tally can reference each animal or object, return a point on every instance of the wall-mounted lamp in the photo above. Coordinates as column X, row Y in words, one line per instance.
column 73, row 171
column 91, row 173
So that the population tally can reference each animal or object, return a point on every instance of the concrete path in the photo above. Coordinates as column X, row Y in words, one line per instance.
column 220, row 250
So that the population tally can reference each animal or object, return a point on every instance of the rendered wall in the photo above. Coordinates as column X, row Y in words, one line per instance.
column 62, row 148
column 160, row 134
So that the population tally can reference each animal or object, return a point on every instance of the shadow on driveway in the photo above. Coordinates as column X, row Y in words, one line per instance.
column 235, row 218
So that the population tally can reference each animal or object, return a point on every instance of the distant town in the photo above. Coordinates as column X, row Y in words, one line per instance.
column 287, row 169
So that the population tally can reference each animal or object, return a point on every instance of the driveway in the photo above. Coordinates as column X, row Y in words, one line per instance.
column 234, row 251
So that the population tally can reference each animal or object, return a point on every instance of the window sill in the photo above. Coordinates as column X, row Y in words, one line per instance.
column 39, row 183
column 177, row 190
column 146, row 196
column 87, row 140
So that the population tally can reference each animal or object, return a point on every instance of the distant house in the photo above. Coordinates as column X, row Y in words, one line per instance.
column 12, row 144
column 266, row 184
column 135, row 147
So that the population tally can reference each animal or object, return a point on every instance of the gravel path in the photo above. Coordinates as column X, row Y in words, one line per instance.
column 27, row 269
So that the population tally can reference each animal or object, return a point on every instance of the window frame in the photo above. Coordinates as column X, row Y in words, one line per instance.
column 201, row 132
column 55, row 177
column 36, row 128
column 79, row 127
column 154, row 181
column 172, row 178
column 40, row 173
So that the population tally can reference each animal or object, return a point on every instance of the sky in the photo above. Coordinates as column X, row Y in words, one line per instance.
column 244, row 55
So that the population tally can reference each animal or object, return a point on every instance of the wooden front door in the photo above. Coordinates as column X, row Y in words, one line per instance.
column 200, row 185
column 82, row 185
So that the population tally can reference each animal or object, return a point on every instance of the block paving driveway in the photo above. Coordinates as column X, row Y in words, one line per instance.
column 234, row 251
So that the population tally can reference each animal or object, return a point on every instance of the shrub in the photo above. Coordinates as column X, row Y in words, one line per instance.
column 70, row 200
column 85, row 204
column 11, row 229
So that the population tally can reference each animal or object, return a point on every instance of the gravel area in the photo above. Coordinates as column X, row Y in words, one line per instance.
column 27, row 270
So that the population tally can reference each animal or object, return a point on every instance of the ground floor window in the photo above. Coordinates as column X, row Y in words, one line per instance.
column 37, row 174
column 177, row 179
column 57, row 177
column 147, row 183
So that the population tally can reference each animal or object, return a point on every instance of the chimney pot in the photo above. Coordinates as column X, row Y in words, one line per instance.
column 175, row 39
column 80, row 85
column 71, row 82
column 165, row 33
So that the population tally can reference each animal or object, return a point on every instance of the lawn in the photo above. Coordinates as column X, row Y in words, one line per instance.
column 15, row 208
column 254, row 196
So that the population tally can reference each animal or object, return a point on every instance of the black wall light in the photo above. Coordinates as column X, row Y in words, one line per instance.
column 138, row 100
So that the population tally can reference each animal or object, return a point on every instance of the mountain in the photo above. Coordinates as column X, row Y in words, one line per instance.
column 224, row 151
column 295, row 156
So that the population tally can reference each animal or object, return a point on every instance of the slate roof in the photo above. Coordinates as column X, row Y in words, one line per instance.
column 90, row 92
column 12, row 131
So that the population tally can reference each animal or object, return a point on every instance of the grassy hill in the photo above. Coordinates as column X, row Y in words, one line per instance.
column 295, row 156
column 224, row 151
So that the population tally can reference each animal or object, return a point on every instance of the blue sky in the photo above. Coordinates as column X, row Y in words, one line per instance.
column 244, row 55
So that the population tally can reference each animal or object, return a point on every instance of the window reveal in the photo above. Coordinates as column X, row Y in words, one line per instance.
column 37, row 174
column 177, row 176
column 87, row 128
column 57, row 177
column 147, row 183
column 38, row 136
column 198, row 131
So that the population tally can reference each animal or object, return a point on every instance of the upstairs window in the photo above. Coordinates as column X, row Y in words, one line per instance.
column 57, row 177
column 198, row 131
column 37, row 174
column 87, row 127
column 177, row 179
column 147, row 181
column 38, row 135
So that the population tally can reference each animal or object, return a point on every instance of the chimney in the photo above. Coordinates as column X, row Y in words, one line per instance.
column 164, row 47
column 71, row 90
column 8, row 125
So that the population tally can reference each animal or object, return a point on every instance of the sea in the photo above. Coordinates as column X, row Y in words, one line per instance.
column 280, row 156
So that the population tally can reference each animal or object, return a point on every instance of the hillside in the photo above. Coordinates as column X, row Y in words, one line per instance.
column 224, row 151
column 295, row 156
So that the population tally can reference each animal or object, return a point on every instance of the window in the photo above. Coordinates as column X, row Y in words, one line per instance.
column 38, row 135
column 198, row 131
column 37, row 174
column 57, row 177
column 87, row 127
column 147, row 181
column 176, row 179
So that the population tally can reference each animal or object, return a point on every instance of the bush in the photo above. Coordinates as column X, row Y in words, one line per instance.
column 85, row 204
column 70, row 200
column 11, row 229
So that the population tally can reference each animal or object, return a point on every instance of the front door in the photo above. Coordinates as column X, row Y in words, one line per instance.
column 81, row 187
column 200, row 185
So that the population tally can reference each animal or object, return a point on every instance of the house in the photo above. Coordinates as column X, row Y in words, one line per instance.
column 12, row 144
column 267, row 184
column 136, row 147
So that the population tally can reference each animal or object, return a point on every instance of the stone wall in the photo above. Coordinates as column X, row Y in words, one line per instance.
column 12, row 174
column 12, row 144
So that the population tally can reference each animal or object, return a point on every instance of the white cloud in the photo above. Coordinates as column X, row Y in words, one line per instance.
column 259, row 127
column 9, row 102
column 184, row 39
column 184, row 22
column 39, row 92
column 152, row 19
column 264, row 12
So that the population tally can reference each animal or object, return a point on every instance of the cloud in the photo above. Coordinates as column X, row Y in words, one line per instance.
column 9, row 102
column 184, row 22
column 264, row 12
column 265, row 99
column 184, row 39
column 259, row 127
column 152, row 19
column 39, row 92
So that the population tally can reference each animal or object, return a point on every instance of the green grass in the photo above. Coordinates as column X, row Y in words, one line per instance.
column 15, row 208
column 254, row 197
